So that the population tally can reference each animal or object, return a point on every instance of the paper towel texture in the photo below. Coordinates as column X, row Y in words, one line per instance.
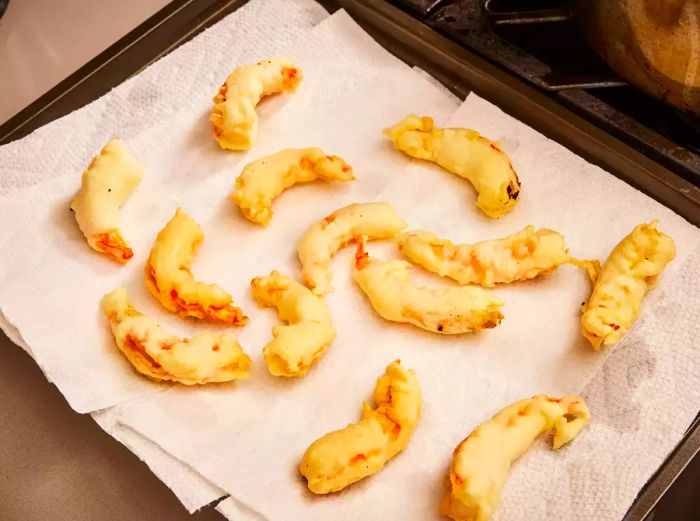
column 234, row 510
column 191, row 488
column 351, row 89
column 250, row 438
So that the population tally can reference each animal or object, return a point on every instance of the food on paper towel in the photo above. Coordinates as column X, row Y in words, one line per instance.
column 481, row 463
column 324, row 238
column 107, row 183
column 309, row 332
column 205, row 358
column 448, row 311
column 234, row 117
column 524, row 255
column 341, row 458
column 169, row 279
column 463, row 152
column 628, row 273
column 266, row 178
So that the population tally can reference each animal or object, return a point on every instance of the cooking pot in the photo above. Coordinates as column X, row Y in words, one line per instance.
column 654, row 44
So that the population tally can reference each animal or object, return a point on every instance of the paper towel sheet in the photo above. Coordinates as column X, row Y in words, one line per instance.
column 234, row 510
column 352, row 88
column 190, row 487
column 249, row 439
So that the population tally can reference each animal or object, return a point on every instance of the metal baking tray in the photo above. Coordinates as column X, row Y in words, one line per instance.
column 456, row 67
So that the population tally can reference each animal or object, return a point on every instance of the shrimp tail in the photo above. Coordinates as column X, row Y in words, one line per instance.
column 114, row 245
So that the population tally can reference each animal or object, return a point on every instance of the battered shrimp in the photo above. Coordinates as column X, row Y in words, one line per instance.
column 449, row 311
column 521, row 256
column 234, row 117
column 631, row 269
column 481, row 463
column 169, row 279
column 341, row 458
column 205, row 358
column 298, row 345
column 107, row 183
column 266, row 178
column 463, row 152
column 324, row 238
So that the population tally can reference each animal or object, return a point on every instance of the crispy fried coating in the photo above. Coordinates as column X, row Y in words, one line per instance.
column 524, row 255
column 481, row 463
column 463, row 152
column 205, row 358
column 448, row 311
column 107, row 182
column 266, row 178
column 234, row 117
column 342, row 457
column 168, row 277
column 324, row 238
column 309, row 330
column 628, row 273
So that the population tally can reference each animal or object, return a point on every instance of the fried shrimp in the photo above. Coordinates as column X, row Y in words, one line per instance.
column 205, row 358
column 108, row 181
column 481, row 463
column 168, row 276
column 298, row 345
column 524, row 255
column 463, row 152
column 234, row 117
column 266, row 178
column 324, row 238
column 342, row 457
column 448, row 311
column 631, row 269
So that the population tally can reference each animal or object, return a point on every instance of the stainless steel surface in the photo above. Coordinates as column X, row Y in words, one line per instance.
column 43, row 41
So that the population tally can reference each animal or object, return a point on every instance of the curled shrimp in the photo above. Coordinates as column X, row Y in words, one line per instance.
column 628, row 273
column 309, row 332
column 481, row 463
column 266, row 178
column 463, row 152
column 107, row 182
column 448, row 311
column 343, row 457
column 324, row 238
column 524, row 255
column 234, row 117
column 169, row 279
column 205, row 358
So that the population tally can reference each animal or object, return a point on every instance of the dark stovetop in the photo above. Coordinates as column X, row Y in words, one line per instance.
column 539, row 42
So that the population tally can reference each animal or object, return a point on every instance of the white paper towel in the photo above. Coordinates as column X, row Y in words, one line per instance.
column 234, row 510
column 190, row 487
column 351, row 89
column 248, row 439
